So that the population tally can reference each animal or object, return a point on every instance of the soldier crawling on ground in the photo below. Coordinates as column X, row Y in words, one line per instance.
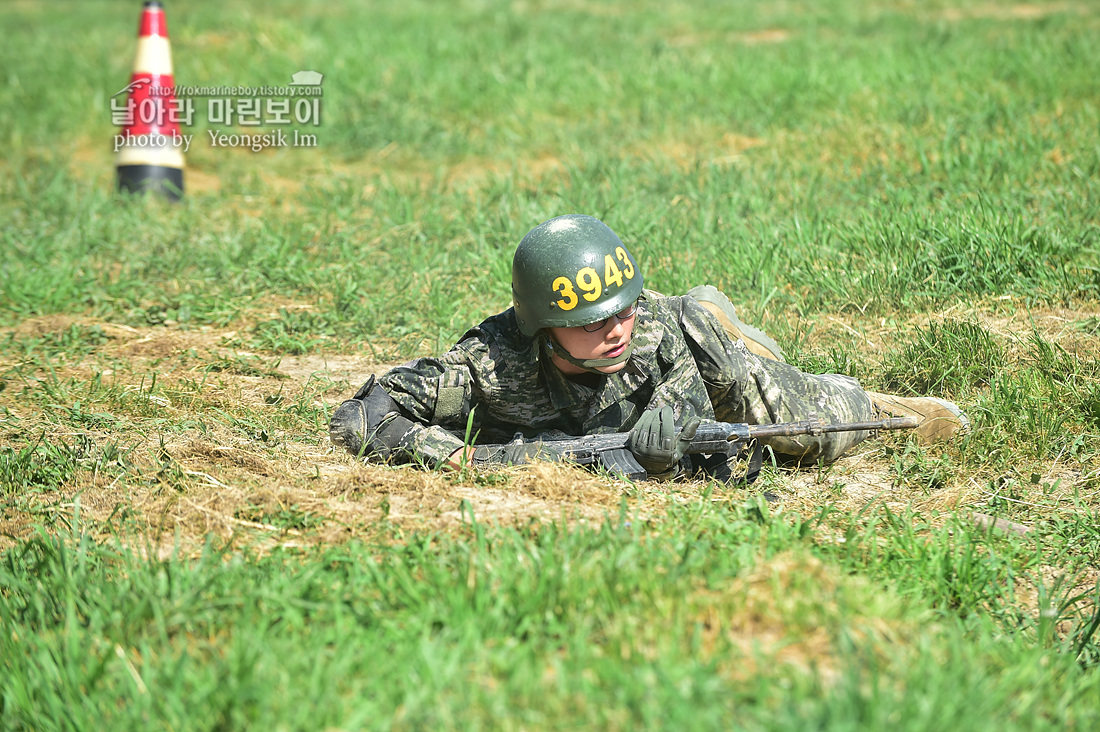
column 586, row 349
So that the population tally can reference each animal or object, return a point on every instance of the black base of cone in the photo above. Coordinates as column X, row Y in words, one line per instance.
column 156, row 178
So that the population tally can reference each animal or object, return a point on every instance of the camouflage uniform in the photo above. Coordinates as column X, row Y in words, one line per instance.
column 682, row 358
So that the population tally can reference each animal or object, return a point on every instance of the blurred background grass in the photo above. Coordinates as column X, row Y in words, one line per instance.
column 801, row 156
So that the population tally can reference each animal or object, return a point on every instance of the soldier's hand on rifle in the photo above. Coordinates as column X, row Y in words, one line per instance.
column 657, row 442
column 514, row 454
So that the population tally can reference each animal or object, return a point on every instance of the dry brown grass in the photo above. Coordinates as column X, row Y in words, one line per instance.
column 225, row 482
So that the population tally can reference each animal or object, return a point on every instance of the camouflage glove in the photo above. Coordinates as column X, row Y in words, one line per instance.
column 657, row 442
column 514, row 454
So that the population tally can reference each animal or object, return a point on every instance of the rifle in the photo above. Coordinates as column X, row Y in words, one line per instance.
column 611, row 451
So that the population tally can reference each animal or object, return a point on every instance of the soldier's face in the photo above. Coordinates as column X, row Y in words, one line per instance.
column 607, row 342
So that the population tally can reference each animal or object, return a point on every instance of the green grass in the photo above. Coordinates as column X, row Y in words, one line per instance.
column 546, row 627
column 908, row 193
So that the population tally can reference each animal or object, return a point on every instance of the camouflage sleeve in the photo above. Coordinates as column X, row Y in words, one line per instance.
column 744, row 387
column 439, row 394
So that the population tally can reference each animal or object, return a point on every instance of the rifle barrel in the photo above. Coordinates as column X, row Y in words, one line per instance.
column 714, row 437
column 812, row 427
column 722, row 437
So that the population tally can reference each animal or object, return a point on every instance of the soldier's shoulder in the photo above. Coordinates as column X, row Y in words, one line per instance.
column 500, row 330
column 499, row 340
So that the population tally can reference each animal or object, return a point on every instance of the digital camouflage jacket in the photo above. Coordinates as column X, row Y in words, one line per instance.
column 495, row 384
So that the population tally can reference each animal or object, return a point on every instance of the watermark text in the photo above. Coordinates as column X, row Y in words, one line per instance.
column 258, row 142
column 154, row 140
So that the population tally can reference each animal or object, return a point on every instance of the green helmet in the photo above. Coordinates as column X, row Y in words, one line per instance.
column 571, row 270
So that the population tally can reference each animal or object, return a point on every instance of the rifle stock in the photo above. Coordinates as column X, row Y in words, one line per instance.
column 612, row 451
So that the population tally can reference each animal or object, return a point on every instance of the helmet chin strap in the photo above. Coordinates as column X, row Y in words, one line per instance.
column 592, row 365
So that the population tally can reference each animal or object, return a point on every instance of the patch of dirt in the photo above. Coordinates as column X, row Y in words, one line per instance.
column 288, row 172
column 1019, row 11
column 210, row 171
column 178, row 487
column 743, row 38
column 353, row 370
column 770, row 35
column 721, row 149
column 202, row 458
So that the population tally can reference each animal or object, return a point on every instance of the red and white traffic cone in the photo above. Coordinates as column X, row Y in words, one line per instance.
column 150, row 148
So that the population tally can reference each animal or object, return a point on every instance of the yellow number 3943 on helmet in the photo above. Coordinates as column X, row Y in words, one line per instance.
column 572, row 270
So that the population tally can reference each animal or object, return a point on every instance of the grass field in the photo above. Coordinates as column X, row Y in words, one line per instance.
column 905, row 192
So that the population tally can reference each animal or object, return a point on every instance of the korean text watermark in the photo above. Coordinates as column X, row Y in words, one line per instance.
column 142, row 107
